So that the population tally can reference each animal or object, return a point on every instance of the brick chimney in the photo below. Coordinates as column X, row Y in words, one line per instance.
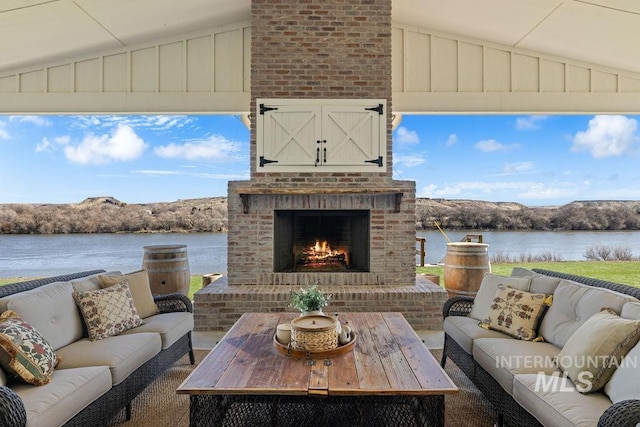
column 321, row 49
column 334, row 51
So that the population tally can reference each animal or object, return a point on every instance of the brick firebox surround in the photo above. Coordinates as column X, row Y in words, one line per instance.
column 319, row 49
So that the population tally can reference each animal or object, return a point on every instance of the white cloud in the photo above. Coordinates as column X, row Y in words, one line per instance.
column 121, row 145
column 503, row 190
column 38, row 121
column 409, row 161
column 406, row 136
column 517, row 167
column 607, row 136
column 3, row 133
column 205, row 175
column 452, row 140
column 491, row 145
column 46, row 146
column 530, row 122
column 43, row 146
column 215, row 148
column 157, row 172
column 152, row 122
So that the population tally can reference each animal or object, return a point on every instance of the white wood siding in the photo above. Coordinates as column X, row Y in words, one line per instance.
column 433, row 72
column 195, row 73
column 209, row 72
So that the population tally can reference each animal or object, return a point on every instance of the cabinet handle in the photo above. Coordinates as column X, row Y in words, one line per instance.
column 325, row 154
column 317, row 155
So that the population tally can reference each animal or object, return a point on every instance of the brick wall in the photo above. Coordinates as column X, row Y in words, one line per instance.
column 321, row 49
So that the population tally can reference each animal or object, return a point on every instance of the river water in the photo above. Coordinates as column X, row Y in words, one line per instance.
column 46, row 255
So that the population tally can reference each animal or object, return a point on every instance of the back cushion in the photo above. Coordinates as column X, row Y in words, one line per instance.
column 573, row 304
column 90, row 283
column 631, row 310
column 624, row 382
column 51, row 310
column 540, row 283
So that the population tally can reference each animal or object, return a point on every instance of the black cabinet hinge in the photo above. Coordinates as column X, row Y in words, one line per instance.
column 264, row 161
column 377, row 161
column 378, row 109
column 264, row 109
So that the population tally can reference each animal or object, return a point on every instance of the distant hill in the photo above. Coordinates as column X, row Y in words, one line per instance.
column 107, row 214
column 577, row 215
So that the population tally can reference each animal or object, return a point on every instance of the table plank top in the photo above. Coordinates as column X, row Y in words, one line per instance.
column 388, row 359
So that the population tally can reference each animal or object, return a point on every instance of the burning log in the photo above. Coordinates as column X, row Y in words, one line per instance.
column 321, row 257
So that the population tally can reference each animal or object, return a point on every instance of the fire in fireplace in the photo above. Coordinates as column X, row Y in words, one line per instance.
column 320, row 256
column 321, row 240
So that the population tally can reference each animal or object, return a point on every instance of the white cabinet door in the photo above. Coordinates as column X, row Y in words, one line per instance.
column 323, row 135
column 289, row 134
column 352, row 134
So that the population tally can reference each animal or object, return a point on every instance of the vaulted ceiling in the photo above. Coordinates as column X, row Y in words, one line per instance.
column 603, row 32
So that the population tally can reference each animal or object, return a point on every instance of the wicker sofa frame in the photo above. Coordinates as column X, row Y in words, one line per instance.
column 119, row 397
column 509, row 412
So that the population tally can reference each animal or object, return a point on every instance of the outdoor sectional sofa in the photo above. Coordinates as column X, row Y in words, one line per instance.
column 94, row 379
column 530, row 382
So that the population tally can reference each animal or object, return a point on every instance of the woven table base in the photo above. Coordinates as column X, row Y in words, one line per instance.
column 300, row 411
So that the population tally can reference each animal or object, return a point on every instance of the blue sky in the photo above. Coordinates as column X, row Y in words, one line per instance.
column 533, row 160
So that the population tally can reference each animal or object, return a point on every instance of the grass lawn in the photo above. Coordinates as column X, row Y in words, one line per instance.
column 627, row 272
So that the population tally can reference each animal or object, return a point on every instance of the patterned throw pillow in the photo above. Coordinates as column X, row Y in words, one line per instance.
column 108, row 311
column 516, row 313
column 26, row 353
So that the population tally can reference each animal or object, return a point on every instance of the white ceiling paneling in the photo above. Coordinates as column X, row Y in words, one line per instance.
column 602, row 32
column 48, row 31
column 6, row 5
column 498, row 21
column 143, row 20
column 621, row 5
column 599, row 35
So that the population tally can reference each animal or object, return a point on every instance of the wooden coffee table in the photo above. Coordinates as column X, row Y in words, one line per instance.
column 389, row 378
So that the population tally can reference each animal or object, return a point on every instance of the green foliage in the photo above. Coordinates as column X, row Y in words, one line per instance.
column 626, row 272
column 309, row 299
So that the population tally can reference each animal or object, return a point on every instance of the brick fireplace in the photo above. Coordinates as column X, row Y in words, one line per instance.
column 321, row 172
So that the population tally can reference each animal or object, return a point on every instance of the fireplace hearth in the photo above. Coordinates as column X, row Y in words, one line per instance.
column 321, row 241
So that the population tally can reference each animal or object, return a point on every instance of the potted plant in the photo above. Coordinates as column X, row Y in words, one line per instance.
column 310, row 300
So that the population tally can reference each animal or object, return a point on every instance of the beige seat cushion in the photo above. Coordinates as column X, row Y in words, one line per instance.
column 573, row 304
column 68, row 393
column 123, row 354
column 170, row 326
column 463, row 330
column 559, row 405
column 140, row 290
column 488, row 289
column 504, row 358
